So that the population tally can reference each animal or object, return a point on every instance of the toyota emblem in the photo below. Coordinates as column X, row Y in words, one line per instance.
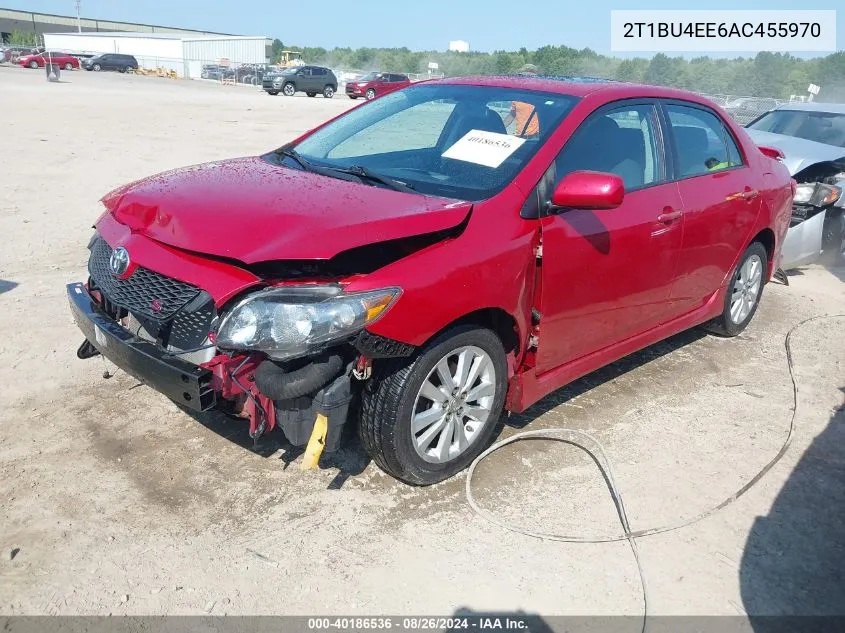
column 119, row 261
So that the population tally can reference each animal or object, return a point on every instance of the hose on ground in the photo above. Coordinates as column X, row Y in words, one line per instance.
column 594, row 448
column 277, row 384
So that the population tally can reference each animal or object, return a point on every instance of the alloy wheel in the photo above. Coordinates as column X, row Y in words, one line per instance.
column 453, row 404
column 746, row 288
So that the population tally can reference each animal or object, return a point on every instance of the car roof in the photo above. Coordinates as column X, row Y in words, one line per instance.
column 814, row 106
column 579, row 86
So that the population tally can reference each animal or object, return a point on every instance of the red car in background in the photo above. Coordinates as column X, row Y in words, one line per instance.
column 372, row 85
column 414, row 267
column 39, row 60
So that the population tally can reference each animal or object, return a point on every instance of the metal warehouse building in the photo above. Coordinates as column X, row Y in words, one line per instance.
column 185, row 54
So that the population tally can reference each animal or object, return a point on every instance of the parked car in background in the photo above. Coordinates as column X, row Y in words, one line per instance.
column 112, row 61
column 746, row 109
column 217, row 72
column 372, row 85
column 312, row 80
column 12, row 53
column 412, row 269
column 40, row 60
column 812, row 139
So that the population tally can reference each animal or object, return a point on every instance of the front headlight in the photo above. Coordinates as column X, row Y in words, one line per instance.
column 292, row 321
column 817, row 194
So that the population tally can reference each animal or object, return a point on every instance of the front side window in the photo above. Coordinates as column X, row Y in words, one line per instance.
column 702, row 143
column 619, row 141
column 446, row 140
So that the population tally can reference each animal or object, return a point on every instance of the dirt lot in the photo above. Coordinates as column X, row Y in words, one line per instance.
column 118, row 502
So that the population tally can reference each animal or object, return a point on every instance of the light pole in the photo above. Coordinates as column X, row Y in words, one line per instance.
column 78, row 23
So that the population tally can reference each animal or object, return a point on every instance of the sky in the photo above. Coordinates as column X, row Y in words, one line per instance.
column 420, row 25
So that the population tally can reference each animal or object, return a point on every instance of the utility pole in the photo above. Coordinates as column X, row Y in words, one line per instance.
column 78, row 23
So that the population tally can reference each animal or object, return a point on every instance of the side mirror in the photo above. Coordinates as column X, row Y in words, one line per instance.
column 588, row 190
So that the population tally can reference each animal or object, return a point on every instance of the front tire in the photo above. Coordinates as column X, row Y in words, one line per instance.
column 370, row 94
column 743, row 292
column 833, row 239
column 97, row 68
column 289, row 89
column 425, row 419
column 33, row 65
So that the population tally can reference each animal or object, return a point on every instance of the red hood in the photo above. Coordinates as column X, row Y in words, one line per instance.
column 251, row 210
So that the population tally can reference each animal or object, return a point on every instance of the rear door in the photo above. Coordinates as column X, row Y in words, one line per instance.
column 607, row 274
column 721, row 199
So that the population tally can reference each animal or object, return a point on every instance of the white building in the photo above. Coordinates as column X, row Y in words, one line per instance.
column 186, row 54
column 459, row 46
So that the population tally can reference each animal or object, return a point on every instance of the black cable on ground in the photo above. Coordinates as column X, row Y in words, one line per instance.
column 594, row 448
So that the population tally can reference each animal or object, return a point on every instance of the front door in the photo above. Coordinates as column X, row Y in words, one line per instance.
column 607, row 274
column 721, row 198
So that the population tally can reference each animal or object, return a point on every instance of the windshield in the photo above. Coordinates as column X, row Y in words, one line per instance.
column 465, row 142
column 821, row 127
column 368, row 77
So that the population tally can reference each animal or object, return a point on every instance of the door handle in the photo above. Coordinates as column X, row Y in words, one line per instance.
column 746, row 194
column 669, row 215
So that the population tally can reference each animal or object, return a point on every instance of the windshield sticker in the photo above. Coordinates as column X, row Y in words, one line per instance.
column 484, row 148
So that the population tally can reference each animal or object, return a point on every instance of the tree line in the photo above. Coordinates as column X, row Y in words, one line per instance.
column 777, row 75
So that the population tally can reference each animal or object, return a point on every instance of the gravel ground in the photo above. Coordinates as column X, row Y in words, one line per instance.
column 114, row 501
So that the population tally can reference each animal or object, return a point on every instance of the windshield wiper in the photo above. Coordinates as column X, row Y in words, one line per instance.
column 294, row 155
column 365, row 173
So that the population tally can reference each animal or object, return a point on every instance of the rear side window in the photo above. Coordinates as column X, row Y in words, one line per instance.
column 621, row 141
column 702, row 143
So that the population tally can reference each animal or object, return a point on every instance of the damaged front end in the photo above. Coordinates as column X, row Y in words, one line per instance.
column 817, row 227
column 288, row 352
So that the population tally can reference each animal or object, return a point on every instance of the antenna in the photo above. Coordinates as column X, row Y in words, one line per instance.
column 78, row 24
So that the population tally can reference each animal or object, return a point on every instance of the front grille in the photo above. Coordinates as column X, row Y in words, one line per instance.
column 141, row 293
column 190, row 329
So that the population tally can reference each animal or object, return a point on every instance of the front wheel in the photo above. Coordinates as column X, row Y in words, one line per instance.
column 289, row 90
column 370, row 94
column 425, row 419
column 97, row 68
column 328, row 92
column 743, row 293
column 33, row 64
column 833, row 239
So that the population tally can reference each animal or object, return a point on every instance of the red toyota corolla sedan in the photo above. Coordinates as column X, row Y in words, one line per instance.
column 420, row 263
column 63, row 60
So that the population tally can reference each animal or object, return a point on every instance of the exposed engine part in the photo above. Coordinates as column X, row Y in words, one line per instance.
column 279, row 383
column 363, row 368
column 296, row 417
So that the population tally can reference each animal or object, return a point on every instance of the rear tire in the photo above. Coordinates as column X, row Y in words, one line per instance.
column 328, row 92
column 743, row 293
column 451, row 430
column 68, row 66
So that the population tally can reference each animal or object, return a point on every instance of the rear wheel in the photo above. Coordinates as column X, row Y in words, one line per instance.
column 743, row 292
column 68, row 66
column 370, row 94
column 289, row 89
column 328, row 92
column 425, row 419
